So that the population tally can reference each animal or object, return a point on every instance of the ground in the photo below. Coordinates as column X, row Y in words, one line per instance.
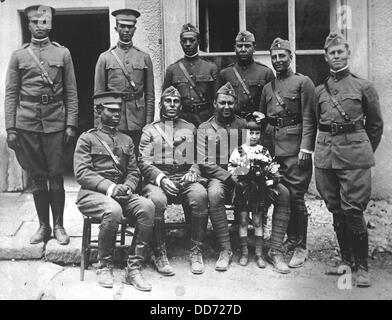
column 51, row 271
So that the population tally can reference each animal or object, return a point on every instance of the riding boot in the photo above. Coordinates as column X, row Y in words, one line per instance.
column 41, row 201
column 57, row 202
column 133, row 275
column 159, row 259
column 300, row 252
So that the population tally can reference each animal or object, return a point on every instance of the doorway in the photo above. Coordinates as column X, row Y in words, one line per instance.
column 86, row 34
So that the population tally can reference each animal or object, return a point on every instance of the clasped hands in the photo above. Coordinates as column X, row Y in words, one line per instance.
column 171, row 189
column 121, row 192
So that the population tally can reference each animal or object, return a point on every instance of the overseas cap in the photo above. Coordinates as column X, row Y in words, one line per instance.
column 171, row 91
column 279, row 44
column 245, row 36
column 334, row 39
column 227, row 89
column 109, row 98
column 126, row 16
column 189, row 28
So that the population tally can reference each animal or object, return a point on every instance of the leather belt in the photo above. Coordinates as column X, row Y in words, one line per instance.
column 43, row 98
column 284, row 121
column 130, row 96
column 173, row 167
column 194, row 108
column 336, row 128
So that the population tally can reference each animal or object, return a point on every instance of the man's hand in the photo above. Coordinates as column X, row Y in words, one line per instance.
column 120, row 190
column 190, row 177
column 69, row 135
column 12, row 141
column 304, row 160
column 169, row 187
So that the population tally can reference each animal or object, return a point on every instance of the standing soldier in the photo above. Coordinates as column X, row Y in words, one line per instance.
column 287, row 102
column 166, row 154
column 194, row 77
column 248, row 79
column 350, row 125
column 127, row 69
column 41, row 116
column 106, row 168
column 247, row 76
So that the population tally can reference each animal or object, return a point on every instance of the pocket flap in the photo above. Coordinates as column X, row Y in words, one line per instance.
column 57, row 64
column 179, row 79
column 292, row 95
column 99, row 151
column 351, row 96
column 203, row 77
column 294, row 131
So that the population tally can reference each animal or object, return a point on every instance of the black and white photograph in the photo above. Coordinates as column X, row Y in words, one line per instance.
column 204, row 152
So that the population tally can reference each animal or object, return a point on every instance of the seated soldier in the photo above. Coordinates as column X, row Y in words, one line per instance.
column 216, row 140
column 106, row 168
column 166, row 154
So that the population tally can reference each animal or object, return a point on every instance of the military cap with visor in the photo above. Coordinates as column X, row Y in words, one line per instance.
column 126, row 16
column 109, row 99
column 280, row 44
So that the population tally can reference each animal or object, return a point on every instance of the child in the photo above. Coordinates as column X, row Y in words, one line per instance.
column 253, row 167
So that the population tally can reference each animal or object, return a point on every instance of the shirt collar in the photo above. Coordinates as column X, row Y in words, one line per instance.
column 40, row 42
column 285, row 74
column 107, row 129
column 124, row 45
column 340, row 74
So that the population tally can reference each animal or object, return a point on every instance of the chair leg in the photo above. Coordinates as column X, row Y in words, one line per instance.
column 88, row 248
column 83, row 250
column 122, row 243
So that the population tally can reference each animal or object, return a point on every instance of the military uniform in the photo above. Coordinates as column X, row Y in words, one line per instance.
column 138, row 90
column 287, row 103
column 167, row 150
column 196, row 104
column 97, row 174
column 344, row 154
column 38, row 109
column 254, row 75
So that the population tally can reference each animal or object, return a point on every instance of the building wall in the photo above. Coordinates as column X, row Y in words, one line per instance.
column 147, row 37
column 380, row 61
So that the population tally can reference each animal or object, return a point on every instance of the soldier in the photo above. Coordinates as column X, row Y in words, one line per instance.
column 287, row 102
column 194, row 77
column 126, row 68
column 248, row 79
column 216, row 140
column 41, row 116
column 247, row 76
column 166, row 154
column 350, row 125
column 106, row 168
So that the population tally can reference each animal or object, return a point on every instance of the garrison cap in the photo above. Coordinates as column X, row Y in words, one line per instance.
column 334, row 39
column 126, row 16
column 226, row 89
column 279, row 44
column 112, row 99
column 245, row 36
column 171, row 91
column 188, row 27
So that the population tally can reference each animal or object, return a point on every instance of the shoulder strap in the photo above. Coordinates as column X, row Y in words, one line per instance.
column 44, row 72
column 193, row 84
column 126, row 74
column 243, row 84
column 336, row 103
column 114, row 158
column 277, row 96
column 163, row 134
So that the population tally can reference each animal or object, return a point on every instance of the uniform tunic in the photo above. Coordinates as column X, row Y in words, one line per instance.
column 204, row 74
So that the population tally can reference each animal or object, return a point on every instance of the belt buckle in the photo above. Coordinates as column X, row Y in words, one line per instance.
column 279, row 122
column 44, row 99
column 334, row 128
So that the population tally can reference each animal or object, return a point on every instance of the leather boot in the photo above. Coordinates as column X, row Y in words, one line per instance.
column 159, row 258
column 300, row 252
column 259, row 252
column 105, row 273
column 360, row 250
column 41, row 201
column 244, row 259
column 57, row 202
column 224, row 260
column 277, row 260
column 133, row 275
column 196, row 258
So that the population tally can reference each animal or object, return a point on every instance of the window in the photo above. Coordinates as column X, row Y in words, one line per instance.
column 305, row 23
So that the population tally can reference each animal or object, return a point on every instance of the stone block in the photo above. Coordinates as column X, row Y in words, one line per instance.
column 19, row 248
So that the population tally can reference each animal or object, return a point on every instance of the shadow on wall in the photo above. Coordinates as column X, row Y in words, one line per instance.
column 11, row 174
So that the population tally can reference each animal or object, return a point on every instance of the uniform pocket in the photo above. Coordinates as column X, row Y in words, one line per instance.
column 99, row 151
column 55, row 70
column 138, row 72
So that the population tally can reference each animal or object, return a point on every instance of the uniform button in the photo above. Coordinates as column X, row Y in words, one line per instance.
column 191, row 75
column 127, row 62
column 190, row 87
column 244, row 92
column 42, row 62
column 192, row 99
column 335, row 92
